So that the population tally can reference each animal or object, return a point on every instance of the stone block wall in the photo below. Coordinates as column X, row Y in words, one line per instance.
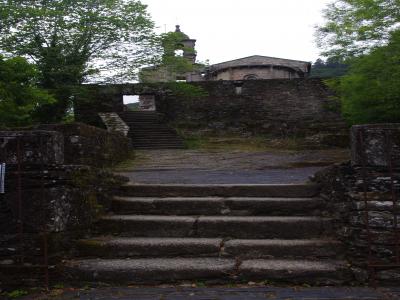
column 92, row 146
column 276, row 107
column 49, row 193
column 343, row 189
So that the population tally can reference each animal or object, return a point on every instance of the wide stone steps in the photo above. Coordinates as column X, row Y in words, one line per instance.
column 214, row 226
column 162, row 233
column 162, row 270
column 148, row 132
column 221, row 190
column 230, row 206
column 119, row 247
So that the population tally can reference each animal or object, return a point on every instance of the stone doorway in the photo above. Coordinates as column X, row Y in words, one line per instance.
column 145, row 102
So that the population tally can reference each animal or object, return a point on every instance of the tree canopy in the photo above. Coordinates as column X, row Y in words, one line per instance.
column 329, row 68
column 73, row 39
column 76, row 41
column 354, row 27
column 370, row 92
column 19, row 96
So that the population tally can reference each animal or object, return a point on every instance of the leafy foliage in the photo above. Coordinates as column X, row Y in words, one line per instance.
column 329, row 68
column 76, row 41
column 185, row 90
column 73, row 39
column 371, row 90
column 20, row 98
column 354, row 27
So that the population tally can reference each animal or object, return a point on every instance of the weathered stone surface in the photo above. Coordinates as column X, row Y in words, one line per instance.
column 114, row 123
column 315, row 272
column 88, row 145
column 376, row 145
column 149, row 247
column 31, row 147
column 354, row 193
column 221, row 190
column 282, row 248
column 262, row 227
column 216, row 206
column 44, row 197
column 148, row 226
column 278, row 107
column 151, row 270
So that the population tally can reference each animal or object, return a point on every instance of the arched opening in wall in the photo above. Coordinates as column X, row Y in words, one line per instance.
column 250, row 77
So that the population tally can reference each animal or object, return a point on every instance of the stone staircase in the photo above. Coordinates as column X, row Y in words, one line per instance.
column 213, row 233
column 148, row 132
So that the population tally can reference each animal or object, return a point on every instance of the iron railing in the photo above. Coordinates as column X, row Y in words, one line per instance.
column 11, row 160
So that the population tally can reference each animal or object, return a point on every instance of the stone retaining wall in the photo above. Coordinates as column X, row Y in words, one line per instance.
column 51, row 192
column 92, row 146
column 343, row 188
column 277, row 107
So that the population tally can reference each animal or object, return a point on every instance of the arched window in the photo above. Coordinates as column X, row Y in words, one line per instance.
column 250, row 77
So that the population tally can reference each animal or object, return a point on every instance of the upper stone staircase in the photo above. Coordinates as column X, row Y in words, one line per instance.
column 148, row 132
column 220, row 233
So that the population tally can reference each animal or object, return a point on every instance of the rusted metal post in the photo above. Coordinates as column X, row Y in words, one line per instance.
column 44, row 217
column 371, row 268
column 389, row 148
column 19, row 199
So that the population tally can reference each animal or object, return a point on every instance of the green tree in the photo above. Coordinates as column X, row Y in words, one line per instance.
column 354, row 27
column 20, row 98
column 74, row 41
column 331, row 68
column 370, row 92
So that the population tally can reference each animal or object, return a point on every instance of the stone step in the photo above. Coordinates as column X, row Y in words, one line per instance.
column 157, row 270
column 157, row 147
column 151, row 132
column 156, row 142
column 314, row 272
column 221, row 190
column 117, row 247
column 164, row 139
column 214, row 226
column 244, row 206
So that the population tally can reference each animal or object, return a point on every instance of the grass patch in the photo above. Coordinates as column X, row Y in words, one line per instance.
column 129, row 163
column 16, row 294
column 246, row 144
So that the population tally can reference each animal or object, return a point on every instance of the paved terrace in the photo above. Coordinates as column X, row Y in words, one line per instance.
column 229, row 167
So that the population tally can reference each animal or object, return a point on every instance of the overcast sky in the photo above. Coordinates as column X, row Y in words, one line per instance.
column 229, row 29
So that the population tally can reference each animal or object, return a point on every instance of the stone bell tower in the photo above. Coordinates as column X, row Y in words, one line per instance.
column 188, row 44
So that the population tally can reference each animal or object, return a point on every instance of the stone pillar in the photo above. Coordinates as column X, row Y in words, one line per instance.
column 375, row 145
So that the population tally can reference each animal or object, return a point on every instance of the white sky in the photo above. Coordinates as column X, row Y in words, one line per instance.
column 230, row 29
